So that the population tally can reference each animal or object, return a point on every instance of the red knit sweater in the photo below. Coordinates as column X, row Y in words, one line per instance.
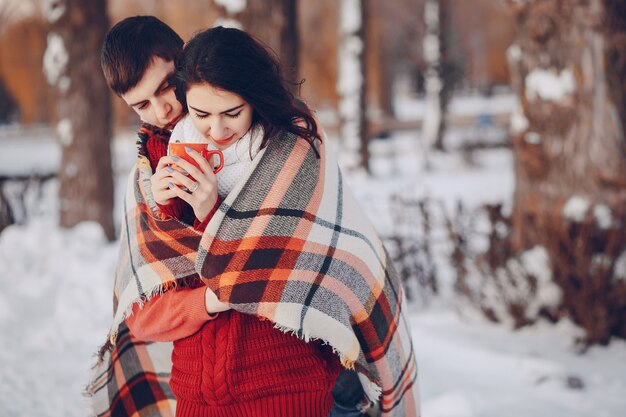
column 232, row 364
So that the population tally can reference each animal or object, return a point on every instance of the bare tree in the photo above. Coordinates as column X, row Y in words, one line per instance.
column 568, row 63
column 275, row 22
column 351, row 82
column 439, row 74
column 72, row 66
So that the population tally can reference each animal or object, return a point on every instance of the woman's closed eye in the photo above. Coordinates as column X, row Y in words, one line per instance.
column 234, row 115
column 230, row 115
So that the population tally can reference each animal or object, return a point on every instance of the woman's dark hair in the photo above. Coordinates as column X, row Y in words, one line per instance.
column 231, row 60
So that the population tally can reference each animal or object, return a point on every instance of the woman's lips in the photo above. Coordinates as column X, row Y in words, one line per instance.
column 224, row 141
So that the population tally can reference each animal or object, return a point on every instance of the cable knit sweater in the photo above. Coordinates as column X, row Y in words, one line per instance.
column 232, row 364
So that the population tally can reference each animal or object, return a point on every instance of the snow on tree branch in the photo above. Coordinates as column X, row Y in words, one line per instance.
column 350, row 17
column 55, row 60
column 603, row 215
column 576, row 208
column 232, row 6
column 53, row 9
column 65, row 132
column 228, row 23
column 519, row 122
column 548, row 85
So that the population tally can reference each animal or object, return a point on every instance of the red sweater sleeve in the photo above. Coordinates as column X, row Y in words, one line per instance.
column 201, row 225
column 173, row 315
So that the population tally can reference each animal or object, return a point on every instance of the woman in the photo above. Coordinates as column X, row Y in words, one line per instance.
column 277, row 239
column 234, row 363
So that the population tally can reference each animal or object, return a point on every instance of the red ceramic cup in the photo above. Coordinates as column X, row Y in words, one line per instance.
column 178, row 149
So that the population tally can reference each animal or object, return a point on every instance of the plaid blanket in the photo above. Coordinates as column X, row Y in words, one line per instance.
column 288, row 243
column 133, row 379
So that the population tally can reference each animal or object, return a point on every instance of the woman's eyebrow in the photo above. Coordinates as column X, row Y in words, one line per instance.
column 225, row 111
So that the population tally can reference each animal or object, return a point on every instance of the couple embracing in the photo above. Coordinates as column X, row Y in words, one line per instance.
column 249, row 283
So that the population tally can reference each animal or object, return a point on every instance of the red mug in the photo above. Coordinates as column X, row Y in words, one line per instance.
column 178, row 149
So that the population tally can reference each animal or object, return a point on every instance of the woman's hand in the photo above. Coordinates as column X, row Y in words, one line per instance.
column 200, row 191
column 212, row 304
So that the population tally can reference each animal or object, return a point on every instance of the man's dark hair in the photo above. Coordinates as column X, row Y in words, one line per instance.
column 131, row 45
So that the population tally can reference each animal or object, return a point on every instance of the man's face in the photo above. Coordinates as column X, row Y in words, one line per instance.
column 154, row 98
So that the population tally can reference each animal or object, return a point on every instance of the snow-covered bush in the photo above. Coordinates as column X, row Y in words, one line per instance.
column 410, row 246
column 579, row 272
column 516, row 289
column 587, row 254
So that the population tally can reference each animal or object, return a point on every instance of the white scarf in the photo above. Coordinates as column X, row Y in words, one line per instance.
column 237, row 157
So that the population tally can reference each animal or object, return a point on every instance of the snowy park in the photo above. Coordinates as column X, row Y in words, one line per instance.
column 484, row 141
column 55, row 303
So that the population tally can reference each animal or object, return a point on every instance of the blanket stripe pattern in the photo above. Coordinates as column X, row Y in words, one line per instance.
column 289, row 243
column 134, row 379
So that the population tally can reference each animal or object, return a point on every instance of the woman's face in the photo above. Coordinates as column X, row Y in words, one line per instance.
column 221, row 116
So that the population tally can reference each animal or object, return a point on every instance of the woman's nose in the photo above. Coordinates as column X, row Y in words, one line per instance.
column 216, row 129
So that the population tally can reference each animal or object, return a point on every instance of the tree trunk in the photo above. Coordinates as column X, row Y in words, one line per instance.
column 379, row 63
column 351, row 83
column 446, row 70
column 438, row 74
column 72, row 65
column 363, row 122
column 567, row 67
column 275, row 22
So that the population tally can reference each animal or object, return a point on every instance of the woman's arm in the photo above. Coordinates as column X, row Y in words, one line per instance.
column 172, row 315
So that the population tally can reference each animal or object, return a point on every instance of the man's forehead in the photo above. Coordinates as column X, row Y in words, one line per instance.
column 154, row 76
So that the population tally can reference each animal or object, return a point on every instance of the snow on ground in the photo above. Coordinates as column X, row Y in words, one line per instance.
column 471, row 368
column 56, row 297
column 54, row 307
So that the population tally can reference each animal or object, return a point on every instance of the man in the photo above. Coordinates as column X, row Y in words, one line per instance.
column 138, row 61
column 138, row 57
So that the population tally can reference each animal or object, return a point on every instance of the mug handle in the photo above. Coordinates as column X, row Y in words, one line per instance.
column 207, row 154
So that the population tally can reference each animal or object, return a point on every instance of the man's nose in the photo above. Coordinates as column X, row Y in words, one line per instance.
column 163, row 109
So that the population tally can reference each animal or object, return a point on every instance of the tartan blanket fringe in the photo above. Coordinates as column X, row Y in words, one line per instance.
column 290, row 244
